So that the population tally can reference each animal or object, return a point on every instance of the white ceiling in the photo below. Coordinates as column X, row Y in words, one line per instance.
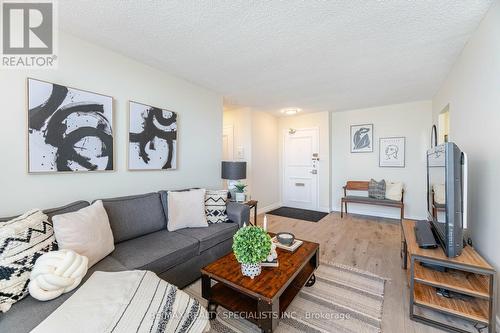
column 317, row 55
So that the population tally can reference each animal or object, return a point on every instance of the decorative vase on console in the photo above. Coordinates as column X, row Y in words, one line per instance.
column 251, row 246
column 240, row 191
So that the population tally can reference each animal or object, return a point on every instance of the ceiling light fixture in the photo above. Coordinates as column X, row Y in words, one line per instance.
column 291, row 111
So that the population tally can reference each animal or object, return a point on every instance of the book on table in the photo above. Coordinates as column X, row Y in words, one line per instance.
column 294, row 246
column 273, row 263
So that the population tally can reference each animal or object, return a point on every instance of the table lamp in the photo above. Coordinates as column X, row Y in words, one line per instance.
column 233, row 172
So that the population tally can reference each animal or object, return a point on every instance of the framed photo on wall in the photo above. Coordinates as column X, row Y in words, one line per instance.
column 392, row 152
column 362, row 138
column 152, row 138
column 68, row 129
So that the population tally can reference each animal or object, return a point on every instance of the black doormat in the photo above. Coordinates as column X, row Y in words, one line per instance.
column 299, row 214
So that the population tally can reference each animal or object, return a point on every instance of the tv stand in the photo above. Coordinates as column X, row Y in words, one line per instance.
column 468, row 274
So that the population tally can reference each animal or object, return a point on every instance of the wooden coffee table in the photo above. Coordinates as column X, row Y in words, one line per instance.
column 264, row 299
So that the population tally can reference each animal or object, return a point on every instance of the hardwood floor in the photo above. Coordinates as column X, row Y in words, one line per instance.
column 369, row 244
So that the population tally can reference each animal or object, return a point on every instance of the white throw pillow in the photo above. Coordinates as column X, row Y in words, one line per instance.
column 393, row 190
column 186, row 209
column 87, row 232
column 439, row 193
column 56, row 273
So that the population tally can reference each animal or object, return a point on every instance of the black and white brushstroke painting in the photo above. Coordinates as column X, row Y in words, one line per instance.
column 68, row 129
column 362, row 138
column 152, row 138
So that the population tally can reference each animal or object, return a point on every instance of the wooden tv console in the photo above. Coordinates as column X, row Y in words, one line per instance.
column 468, row 274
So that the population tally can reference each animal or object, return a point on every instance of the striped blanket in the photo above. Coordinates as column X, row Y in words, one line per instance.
column 130, row 301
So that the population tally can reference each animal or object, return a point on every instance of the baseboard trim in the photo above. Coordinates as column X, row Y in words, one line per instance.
column 269, row 208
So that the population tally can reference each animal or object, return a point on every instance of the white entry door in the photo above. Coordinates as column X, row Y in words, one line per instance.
column 301, row 168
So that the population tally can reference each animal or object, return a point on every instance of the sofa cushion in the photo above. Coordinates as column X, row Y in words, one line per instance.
column 368, row 200
column 135, row 216
column 156, row 252
column 72, row 207
column 209, row 237
column 26, row 314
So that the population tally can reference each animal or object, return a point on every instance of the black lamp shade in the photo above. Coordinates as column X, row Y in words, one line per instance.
column 234, row 170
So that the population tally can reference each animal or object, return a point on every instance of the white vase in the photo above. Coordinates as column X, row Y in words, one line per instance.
column 251, row 270
column 240, row 197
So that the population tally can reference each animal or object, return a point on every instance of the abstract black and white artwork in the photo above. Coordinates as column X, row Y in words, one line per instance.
column 362, row 138
column 68, row 129
column 392, row 152
column 152, row 138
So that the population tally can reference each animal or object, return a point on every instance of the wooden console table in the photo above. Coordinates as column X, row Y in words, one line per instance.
column 468, row 274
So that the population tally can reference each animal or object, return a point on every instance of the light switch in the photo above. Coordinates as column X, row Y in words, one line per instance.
column 240, row 153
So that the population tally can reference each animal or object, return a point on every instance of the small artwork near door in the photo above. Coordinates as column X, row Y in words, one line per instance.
column 392, row 152
column 152, row 138
column 362, row 138
column 68, row 129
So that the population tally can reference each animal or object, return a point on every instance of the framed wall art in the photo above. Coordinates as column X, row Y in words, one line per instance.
column 152, row 138
column 68, row 129
column 362, row 138
column 392, row 152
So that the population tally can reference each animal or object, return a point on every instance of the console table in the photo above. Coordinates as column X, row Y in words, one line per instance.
column 468, row 274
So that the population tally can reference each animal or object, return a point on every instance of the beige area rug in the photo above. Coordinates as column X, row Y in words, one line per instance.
column 343, row 299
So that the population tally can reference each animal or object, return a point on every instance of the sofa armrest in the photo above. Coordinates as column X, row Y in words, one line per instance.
column 238, row 213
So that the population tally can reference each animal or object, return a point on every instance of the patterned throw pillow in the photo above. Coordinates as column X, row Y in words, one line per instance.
column 22, row 241
column 376, row 189
column 215, row 206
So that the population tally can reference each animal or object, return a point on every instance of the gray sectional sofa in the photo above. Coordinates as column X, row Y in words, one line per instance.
column 142, row 241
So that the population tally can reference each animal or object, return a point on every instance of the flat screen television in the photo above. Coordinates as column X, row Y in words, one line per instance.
column 447, row 196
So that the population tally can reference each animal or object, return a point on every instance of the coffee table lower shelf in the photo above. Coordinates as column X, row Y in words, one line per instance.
column 260, row 312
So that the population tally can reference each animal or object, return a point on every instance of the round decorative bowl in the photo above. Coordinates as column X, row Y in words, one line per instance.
column 285, row 238
column 251, row 270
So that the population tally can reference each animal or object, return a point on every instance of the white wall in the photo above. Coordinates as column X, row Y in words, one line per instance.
column 473, row 91
column 89, row 67
column 411, row 120
column 265, row 161
column 309, row 120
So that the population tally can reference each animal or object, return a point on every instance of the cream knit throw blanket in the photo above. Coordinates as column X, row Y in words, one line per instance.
column 130, row 301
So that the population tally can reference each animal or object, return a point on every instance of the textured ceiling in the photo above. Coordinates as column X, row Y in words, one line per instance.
column 317, row 55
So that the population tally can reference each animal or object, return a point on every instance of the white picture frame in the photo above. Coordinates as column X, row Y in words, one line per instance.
column 392, row 152
column 362, row 138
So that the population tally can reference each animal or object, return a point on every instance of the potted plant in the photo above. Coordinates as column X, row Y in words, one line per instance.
column 240, row 191
column 251, row 245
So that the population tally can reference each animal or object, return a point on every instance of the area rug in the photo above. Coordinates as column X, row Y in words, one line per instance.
column 343, row 299
column 299, row 214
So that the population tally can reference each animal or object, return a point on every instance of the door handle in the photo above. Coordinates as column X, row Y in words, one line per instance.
column 300, row 184
column 314, row 172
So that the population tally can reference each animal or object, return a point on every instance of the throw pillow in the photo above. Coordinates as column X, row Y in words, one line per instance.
column 86, row 231
column 376, row 189
column 56, row 273
column 186, row 209
column 22, row 241
column 393, row 190
column 215, row 206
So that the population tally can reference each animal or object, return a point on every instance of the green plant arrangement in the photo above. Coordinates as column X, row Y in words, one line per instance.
column 240, row 187
column 251, row 245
